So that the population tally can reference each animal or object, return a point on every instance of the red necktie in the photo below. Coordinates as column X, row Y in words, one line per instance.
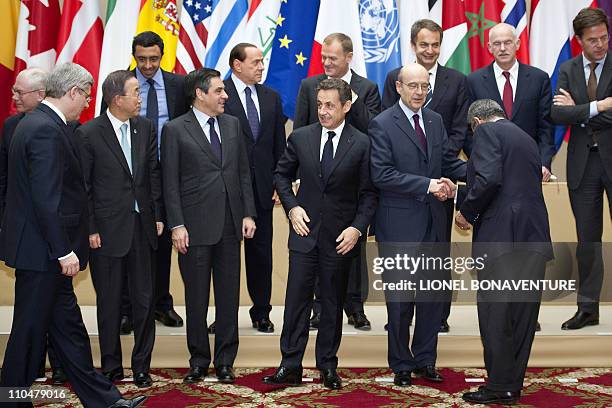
column 507, row 97
column 419, row 132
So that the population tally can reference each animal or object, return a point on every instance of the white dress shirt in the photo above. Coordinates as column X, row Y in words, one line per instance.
column 241, row 89
column 501, row 79
column 335, row 139
column 116, row 124
column 203, row 121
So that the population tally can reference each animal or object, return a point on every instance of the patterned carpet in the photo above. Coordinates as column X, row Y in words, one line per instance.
column 551, row 387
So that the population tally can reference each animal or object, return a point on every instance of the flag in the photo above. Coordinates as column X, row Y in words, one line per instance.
column 80, row 41
column 193, row 34
column 328, row 22
column 161, row 17
column 380, row 34
column 481, row 16
column 515, row 14
column 551, row 39
column 117, row 43
column 411, row 11
column 37, row 35
column 291, row 50
column 8, row 33
column 455, row 52
column 226, row 29
column 262, row 20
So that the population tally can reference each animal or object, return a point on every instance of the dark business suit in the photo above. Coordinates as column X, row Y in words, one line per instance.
column 177, row 105
column 346, row 198
column 589, row 172
column 408, row 216
column 263, row 151
column 128, row 237
column 531, row 107
column 46, row 218
column 363, row 110
column 505, row 205
column 210, row 198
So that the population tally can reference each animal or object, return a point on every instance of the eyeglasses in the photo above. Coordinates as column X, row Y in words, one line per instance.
column 20, row 93
column 87, row 95
column 413, row 86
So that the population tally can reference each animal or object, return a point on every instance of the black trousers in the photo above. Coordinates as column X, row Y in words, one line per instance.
column 223, row 258
column 333, row 272
column 45, row 303
column 508, row 320
column 108, row 275
column 48, row 351
column 587, row 206
column 258, row 262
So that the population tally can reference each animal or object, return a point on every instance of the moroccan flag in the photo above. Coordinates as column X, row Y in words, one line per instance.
column 455, row 52
column 161, row 17
column 80, row 41
column 481, row 16
column 8, row 33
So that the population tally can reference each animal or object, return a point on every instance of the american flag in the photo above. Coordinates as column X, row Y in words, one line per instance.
column 193, row 33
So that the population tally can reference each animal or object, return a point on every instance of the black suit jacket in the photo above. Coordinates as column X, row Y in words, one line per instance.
column 584, row 130
column 365, row 108
column 8, row 128
column 531, row 108
column 263, row 154
column 112, row 189
column 196, row 185
column 504, row 199
column 46, row 203
column 450, row 99
column 346, row 199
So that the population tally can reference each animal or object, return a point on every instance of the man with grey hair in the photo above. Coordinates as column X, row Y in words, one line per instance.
column 505, row 205
column 44, row 237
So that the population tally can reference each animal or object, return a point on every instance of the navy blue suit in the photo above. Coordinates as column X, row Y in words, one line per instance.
column 408, row 216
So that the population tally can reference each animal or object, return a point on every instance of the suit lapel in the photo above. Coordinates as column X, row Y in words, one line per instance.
column 344, row 145
column 582, row 93
column 235, row 106
column 170, row 89
column 440, row 88
column 522, row 83
column 137, row 149
column 227, row 139
column 315, row 148
column 604, row 80
column 68, row 134
column 110, row 138
column 430, row 133
column 197, row 134
column 404, row 124
column 488, row 78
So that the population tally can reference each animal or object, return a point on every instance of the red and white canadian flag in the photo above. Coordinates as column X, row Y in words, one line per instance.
column 80, row 41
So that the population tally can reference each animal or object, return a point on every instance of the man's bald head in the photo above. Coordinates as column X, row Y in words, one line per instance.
column 503, row 44
column 412, row 84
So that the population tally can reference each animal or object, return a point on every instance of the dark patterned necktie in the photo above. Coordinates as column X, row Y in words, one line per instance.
column 215, row 142
column 152, row 109
column 419, row 132
column 252, row 114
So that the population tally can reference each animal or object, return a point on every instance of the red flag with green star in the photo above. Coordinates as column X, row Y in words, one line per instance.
column 481, row 16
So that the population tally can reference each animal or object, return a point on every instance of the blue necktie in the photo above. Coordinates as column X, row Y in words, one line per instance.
column 215, row 142
column 127, row 152
column 429, row 94
column 252, row 114
column 327, row 159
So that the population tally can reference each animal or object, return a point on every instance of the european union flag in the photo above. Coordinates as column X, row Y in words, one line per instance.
column 291, row 50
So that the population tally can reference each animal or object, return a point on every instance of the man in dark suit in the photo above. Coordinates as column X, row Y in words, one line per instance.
column 259, row 110
column 582, row 101
column 447, row 96
column 119, row 161
column 210, row 208
column 522, row 90
column 44, row 237
column 409, row 157
column 328, row 216
column 163, row 99
column 28, row 92
column 337, row 53
column 506, row 206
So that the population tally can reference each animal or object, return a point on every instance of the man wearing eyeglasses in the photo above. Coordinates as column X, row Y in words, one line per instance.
column 412, row 167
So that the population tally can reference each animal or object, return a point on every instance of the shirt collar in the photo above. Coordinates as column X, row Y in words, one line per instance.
column 586, row 62
column 116, row 123
column 337, row 130
column 240, row 85
column 513, row 70
column 409, row 112
column 201, row 116
column 347, row 77
column 56, row 110
column 158, row 78
column 434, row 70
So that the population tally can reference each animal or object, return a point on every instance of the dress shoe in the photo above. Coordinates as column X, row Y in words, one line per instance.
column 264, row 325
column 142, row 380
column 114, row 375
column 429, row 373
column 360, row 321
column 169, row 318
column 225, row 374
column 538, row 327
column 581, row 319
column 444, row 327
column 58, row 377
column 41, row 373
column 127, row 326
column 314, row 321
column 331, row 379
column 402, row 379
column 486, row 396
column 129, row 403
column 195, row 374
column 284, row 375
column 212, row 328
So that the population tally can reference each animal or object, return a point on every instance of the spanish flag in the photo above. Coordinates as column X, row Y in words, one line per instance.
column 8, row 32
column 161, row 17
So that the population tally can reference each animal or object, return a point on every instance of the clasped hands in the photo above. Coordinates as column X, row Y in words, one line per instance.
column 442, row 188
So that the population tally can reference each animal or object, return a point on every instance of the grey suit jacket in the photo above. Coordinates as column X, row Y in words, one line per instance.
column 584, row 131
column 197, row 187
